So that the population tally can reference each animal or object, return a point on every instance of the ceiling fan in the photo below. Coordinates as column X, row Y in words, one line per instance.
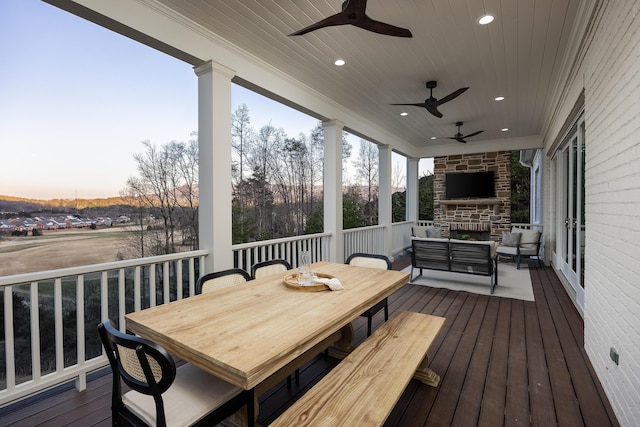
column 353, row 13
column 431, row 103
column 460, row 137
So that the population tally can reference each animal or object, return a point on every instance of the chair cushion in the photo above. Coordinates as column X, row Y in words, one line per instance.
column 507, row 250
column 528, row 240
column 511, row 239
column 193, row 395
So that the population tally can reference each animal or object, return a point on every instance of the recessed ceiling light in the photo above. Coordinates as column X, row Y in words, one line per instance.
column 339, row 62
column 504, row 129
column 499, row 98
column 486, row 19
column 433, row 137
column 404, row 113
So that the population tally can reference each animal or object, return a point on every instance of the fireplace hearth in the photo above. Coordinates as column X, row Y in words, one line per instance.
column 474, row 231
column 469, row 235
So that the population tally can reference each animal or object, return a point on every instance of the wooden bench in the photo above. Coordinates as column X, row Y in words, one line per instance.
column 364, row 388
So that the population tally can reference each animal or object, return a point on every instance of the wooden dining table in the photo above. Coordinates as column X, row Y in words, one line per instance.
column 255, row 334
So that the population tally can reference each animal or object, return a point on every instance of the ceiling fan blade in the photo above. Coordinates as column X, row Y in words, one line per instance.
column 473, row 134
column 458, row 138
column 381, row 28
column 353, row 12
column 433, row 109
column 451, row 96
column 418, row 104
column 331, row 21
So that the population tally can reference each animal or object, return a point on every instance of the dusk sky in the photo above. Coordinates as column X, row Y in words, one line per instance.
column 77, row 101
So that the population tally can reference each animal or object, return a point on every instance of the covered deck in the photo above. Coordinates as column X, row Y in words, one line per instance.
column 502, row 362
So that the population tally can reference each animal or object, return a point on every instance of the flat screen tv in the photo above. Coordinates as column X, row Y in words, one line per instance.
column 461, row 185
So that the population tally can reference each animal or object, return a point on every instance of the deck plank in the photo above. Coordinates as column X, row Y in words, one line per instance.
column 593, row 414
column 459, row 367
column 494, row 396
column 517, row 403
column 565, row 401
column 470, row 399
column 542, row 408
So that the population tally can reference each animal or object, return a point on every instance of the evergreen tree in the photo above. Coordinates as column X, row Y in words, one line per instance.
column 399, row 206
column 315, row 223
column 520, row 189
column 352, row 216
column 425, row 197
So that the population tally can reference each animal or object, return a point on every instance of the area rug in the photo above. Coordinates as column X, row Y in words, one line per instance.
column 512, row 283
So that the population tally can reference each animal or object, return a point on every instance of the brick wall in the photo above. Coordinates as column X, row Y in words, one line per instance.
column 612, row 276
column 491, row 215
column 609, row 71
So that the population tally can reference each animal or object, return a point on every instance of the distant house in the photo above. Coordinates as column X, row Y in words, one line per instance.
column 45, row 224
column 6, row 226
column 59, row 223
column 73, row 222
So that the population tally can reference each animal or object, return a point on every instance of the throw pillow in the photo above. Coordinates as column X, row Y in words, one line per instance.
column 510, row 239
column 419, row 231
column 434, row 232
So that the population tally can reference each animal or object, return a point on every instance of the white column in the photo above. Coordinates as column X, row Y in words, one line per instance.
column 412, row 189
column 384, row 196
column 214, row 143
column 333, row 188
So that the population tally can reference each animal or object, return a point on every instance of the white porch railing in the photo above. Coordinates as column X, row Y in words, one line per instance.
column 401, row 236
column 49, row 318
column 364, row 239
column 288, row 248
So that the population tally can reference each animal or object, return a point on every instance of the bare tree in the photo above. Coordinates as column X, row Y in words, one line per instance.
column 241, row 135
column 261, row 159
column 185, row 187
column 398, row 179
column 316, row 165
column 292, row 183
column 135, row 245
column 367, row 172
column 166, row 188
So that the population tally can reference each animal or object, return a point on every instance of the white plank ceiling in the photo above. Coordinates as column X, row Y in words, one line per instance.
column 518, row 56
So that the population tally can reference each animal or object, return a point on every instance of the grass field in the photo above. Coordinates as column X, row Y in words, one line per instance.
column 60, row 249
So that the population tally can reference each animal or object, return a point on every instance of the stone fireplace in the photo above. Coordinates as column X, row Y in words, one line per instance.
column 481, row 219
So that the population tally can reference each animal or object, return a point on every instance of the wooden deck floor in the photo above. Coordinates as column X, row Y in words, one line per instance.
column 501, row 362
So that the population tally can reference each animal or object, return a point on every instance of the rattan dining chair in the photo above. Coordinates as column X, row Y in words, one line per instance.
column 221, row 279
column 162, row 395
column 373, row 261
column 267, row 268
